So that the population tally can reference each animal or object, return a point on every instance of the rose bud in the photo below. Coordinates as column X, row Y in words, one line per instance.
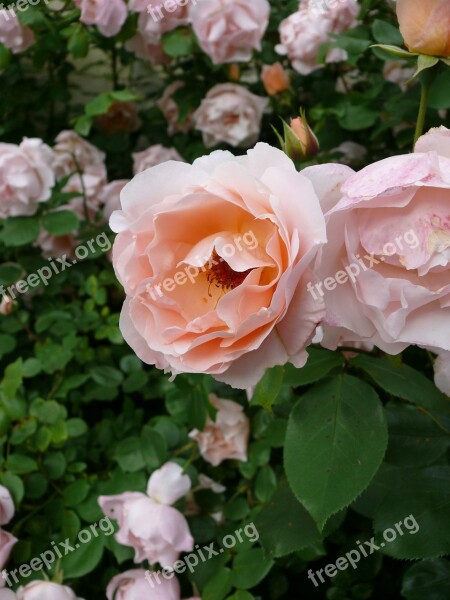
column 299, row 139
column 275, row 78
column 425, row 26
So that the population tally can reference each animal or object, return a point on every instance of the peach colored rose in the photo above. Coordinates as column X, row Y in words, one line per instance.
column 169, row 108
column 133, row 585
column 26, row 177
column 107, row 15
column 230, row 113
column 275, row 78
column 147, row 522
column 73, row 154
column 152, row 156
column 303, row 33
column 393, row 225
column 229, row 30
column 6, row 506
column 226, row 438
column 425, row 25
column 245, row 231
column 13, row 35
column 45, row 590
column 442, row 372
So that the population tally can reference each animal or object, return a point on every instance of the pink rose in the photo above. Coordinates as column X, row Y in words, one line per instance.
column 239, row 235
column 13, row 34
column 154, row 155
column 7, row 541
column 6, row 594
column 156, row 531
column 391, row 228
column 6, row 305
column 73, row 154
column 303, row 33
column 133, row 585
column 169, row 108
column 229, row 30
column 230, row 113
column 107, row 15
column 227, row 436
column 109, row 197
column 6, row 506
column 442, row 372
column 45, row 590
column 26, row 177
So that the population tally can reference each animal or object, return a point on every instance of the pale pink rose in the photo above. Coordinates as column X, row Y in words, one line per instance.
column 6, row 506
column 107, row 15
column 73, row 154
column 230, row 113
column 109, row 197
column 168, row 19
column 245, row 231
column 133, row 585
column 138, row 6
column 13, row 35
column 442, row 372
column 6, row 305
column 168, row 484
column 26, row 177
column 169, row 108
column 303, row 33
column 7, row 541
column 45, row 590
column 229, row 30
column 6, row 594
column 152, row 156
column 393, row 221
column 225, row 438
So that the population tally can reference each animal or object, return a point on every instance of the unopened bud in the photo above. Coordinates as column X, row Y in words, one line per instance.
column 6, row 305
column 299, row 139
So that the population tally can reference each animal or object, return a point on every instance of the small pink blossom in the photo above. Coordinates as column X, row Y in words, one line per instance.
column 13, row 35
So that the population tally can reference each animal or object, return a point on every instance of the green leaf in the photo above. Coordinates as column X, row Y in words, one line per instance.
column 153, row 447
column 357, row 117
column 250, row 567
column 395, row 51
column 422, row 496
column 14, row 484
column 106, row 376
column 219, row 585
column 83, row 125
column 78, row 43
column 19, row 231
column 7, row 344
column 179, row 42
column 320, row 363
column 428, row 579
column 335, row 442
column 76, row 427
column 265, row 484
column 75, row 493
column 425, row 62
column 84, row 558
column 10, row 273
column 21, row 464
column 5, row 57
column 386, row 33
column 404, row 382
column 55, row 464
column 12, row 379
column 268, row 388
column 439, row 92
column 128, row 454
column 61, row 222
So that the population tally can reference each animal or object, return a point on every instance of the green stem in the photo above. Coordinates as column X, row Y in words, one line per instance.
column 422, row 110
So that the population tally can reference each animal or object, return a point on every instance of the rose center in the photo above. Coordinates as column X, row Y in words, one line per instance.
column 222, row 275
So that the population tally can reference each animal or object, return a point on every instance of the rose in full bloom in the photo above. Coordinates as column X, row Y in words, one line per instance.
column 107, row 15
column 214, row 258
column 169, row 108
column 442, row 372
column 26, row 177
column 133, row 585
column 303, row 33
column 392, row 225
column 229, row 30
column 6, row 506
column 74, row 154
column 147, row 522
column 45, row 590
column 425, row 25
column 230, row 113
column 7, row 542
column 154, row 155
column 225, row 438
column 13, row 35
column 275, row 78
